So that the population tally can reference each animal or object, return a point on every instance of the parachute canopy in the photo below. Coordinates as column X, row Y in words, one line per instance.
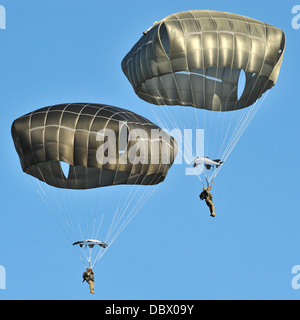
column 195, row 58
column 77, row 134
column 90, row 243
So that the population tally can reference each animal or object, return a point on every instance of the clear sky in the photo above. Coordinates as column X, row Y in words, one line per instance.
column 56, row 51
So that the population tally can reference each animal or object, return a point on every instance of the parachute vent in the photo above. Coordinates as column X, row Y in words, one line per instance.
column 65, row 168
column 164, row 38
column 241, row 84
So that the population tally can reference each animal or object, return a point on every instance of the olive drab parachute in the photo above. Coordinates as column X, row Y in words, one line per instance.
column 68, row 133
column 77, row 134
column 198, row 58
column 194, row 58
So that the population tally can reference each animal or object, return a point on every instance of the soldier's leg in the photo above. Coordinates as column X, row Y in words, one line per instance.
column 211, row 207
column 92, row 286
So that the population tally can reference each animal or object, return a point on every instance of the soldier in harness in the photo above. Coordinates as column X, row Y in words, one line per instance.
column 88, row 276
column 207, row 196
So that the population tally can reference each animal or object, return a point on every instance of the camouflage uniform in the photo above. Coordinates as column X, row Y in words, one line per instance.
column 207, row 196
column 88, row 276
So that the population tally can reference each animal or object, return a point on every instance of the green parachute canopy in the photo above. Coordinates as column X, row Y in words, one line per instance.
column 194, row 58
column 69, row 133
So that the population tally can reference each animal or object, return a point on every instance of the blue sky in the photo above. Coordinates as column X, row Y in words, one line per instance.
column 70, row 51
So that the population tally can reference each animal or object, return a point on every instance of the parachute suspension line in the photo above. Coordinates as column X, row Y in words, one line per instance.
column 54, row 200
column 91, row 222
column 87, row 257
column 187, row 147
column 96, row 210
column 81, row 200
column 144, row 197
column 242, row 125
column 118, row 217
column 90, row 256
column 76, row 205
column 175, row 124
column 94, row 261
column 164, row 124
column 65, row 218
column 115, row 233
column 70, row 216
column 244, row 120
column 43, row 196
column 92, row 212
column 80, row 231
column 130, row 216
column 212, row 115
column 81, row 259
column 218, row 117
column 123, row 210
column 118, row 225
column 220, row 113
column 249, row 116
column 239, row 129
column 99, row 227
column 251, row 113
column 203, row 83
column 170, row 118
column 104, row 210
column 121, row 217
column 128, row 201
